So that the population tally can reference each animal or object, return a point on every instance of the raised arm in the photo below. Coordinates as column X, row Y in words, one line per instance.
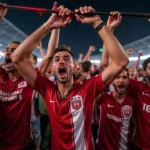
column 21, row 56
column 3, row 10
column 40, row 48
column 138, row 61
column 119, row 59
column 53, row 43
column 88, row 54
column 112, row 22
column 129, row 51
column 105, row 57
column 80, row 58
column 115, row 59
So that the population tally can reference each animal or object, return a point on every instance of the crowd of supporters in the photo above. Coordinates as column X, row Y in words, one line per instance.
column 86, row 106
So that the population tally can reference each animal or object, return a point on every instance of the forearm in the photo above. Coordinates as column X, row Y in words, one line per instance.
column 42, row 52
column 87, row 56
column 137, row 63
column 28, row 45
column 79, row 59
column 105, row 57
column 53, row 43
column 114, row 48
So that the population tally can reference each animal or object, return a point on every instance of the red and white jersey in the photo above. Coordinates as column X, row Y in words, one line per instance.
column 15, row 113
column 115, row 125
column 71, row 118
column 142, row 94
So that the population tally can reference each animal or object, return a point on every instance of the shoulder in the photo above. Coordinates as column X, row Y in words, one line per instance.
column 135, row 85
column 106, row 95
column 135, row 82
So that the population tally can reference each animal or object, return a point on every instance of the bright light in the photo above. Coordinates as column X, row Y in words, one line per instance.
column 95, row 61
column 131, row 59
column 1, row 54
column 141, row 58
column 39, row 59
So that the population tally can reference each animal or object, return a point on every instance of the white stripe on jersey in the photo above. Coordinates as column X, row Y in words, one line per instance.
column 78, row 122
column 127, row 114
column 124, row 134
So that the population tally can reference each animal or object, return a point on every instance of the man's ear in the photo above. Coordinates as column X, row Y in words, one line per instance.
column 144, row 73
column 74, row 66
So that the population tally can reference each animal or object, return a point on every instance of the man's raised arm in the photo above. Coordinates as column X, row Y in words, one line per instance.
column 21, row 56
column 53, row 43
column 3, row 10
column 119, row 59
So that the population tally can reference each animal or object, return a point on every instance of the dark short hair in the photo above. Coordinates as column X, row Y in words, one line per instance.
column 86, row 66
column 146, row 61
column 64, row 48
column 16, row 42
column 34, row 57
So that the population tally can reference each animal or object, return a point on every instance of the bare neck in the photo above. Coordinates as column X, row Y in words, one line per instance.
column 64, row 88
column 14, row 76
column 118, row 97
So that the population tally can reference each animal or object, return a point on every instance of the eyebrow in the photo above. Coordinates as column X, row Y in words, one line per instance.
column 66, row 56
column 9, row 48
column 63, row 56
column 56, row 57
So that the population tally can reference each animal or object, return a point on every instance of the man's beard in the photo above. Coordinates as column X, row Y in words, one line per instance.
column 10, row 70
column 118, row 91
column 76, row 76
column 62, row 82
column 148, row 77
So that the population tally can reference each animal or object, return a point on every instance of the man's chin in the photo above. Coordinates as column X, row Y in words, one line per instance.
column 62, row 81
column 148, row 77
column 121, row 92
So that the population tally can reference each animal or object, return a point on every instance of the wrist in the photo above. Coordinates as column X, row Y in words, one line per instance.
column 48, row 26
column 100, row 26
column 96, row 23
column 110, row 28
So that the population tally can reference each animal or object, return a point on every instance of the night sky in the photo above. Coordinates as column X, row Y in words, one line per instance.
column 80, row 36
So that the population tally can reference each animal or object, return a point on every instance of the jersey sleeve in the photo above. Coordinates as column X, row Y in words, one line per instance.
column 133, row 86
column 93, row 87
column 97, row 84
column 43, row 85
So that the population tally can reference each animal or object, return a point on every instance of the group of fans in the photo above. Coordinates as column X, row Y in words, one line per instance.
column 90, row 107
